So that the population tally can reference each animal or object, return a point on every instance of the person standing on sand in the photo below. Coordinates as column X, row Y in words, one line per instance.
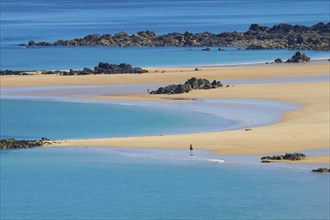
column 191, row 150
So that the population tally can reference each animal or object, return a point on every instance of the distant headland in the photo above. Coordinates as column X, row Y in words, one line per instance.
column 281, row 36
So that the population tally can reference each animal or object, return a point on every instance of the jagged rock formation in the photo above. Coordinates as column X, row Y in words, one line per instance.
column 12, row 143
column 279, row 36
column 287, row 156
column 299, row 58
column 101, row 68
column 321, row 170
column 189, row 85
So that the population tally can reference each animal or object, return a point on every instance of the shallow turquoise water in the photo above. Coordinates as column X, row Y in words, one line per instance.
column 64, row 120
column 96, row 183
column 50, row 58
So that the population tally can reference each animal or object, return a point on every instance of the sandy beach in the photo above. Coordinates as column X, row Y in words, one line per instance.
column 299, row 130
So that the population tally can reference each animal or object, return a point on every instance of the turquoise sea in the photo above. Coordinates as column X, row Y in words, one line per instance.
column 120, row 183
column 97, row 183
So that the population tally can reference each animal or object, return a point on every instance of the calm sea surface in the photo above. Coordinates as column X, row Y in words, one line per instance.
column 64, row 120
column 97, row 183
column 43, row 20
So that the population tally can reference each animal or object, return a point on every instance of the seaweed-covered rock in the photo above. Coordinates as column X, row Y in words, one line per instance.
column 12, row 143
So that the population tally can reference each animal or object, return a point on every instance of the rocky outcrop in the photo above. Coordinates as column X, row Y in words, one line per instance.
column 191, row 84
column 321, row 170
column 279, row 36
column 101, row 68
column 106, row 68
column 287, row 156
column 13, row 72
column 299, row 57
column 12, row 143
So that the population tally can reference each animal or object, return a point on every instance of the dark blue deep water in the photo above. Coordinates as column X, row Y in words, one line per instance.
column 44, row 20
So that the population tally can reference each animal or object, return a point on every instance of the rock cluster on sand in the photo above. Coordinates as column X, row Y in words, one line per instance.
column 298, row 57
column 321, row 170
column 191, row 84
column 13, row 72
column 12, row 143
column 279, row 36
column 101, row 68
column 287, row 156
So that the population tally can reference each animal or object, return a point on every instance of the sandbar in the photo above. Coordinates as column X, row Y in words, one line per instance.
column 299, row 130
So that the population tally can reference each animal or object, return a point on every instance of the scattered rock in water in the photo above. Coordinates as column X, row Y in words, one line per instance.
column 206, row 49
column 12, row 143
column 321, row 170
column 299, row 57
column 287, row 156
column 191, row 84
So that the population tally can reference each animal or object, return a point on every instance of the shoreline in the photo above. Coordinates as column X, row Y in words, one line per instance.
column 257, row 63
column 171, row 75
column 298, row 130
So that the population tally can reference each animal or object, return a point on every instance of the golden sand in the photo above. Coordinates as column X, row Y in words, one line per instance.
column 303, row 129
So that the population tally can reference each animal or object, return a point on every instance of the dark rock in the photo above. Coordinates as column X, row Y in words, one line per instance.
column 321, row 170
column 102, row 68
column 279, row 36
column 299, row 58
column 287, row 156
column 206, row 49
column 13, row 72
column 12, row 143
column 188, row 86
column 86, row 71
column 278, row 60
column 106, row 68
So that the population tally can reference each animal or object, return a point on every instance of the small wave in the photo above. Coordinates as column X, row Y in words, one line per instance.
column 213, row 160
